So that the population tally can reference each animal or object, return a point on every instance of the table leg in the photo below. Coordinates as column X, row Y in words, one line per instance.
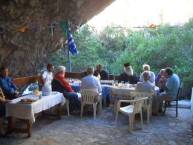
column 10, row 124
column 59, row 110
column 29, row 127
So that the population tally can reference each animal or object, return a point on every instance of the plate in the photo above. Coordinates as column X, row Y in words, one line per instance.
column 25, row 102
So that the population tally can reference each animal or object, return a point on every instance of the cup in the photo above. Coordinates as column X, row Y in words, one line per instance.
column 36, row 92
column 40, row 96
column 116, row 83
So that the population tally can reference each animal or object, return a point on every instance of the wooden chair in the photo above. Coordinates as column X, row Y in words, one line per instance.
column 135, row 107
column 172, row 99
column 91, row 97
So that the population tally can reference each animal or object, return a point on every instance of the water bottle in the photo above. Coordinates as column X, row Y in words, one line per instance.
column 36, row 91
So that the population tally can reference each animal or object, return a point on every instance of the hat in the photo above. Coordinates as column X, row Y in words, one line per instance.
column 126, row 64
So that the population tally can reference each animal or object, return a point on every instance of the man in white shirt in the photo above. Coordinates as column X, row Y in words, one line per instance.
column 146, row 67
column 47, row 75
column 145, row 86
column 90, row 81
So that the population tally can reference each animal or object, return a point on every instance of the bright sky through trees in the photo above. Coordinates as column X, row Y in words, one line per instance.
column 134, row 13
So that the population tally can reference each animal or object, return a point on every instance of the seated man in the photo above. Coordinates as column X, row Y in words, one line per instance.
column 61, row 85
column 160, row 74
column 90, row 81
column 170, row 90
column 8, row 87
column 103, row 73
column 145, row 86
column 146, row 67
column 97, row 71
column 128, row 75
column 160, row 79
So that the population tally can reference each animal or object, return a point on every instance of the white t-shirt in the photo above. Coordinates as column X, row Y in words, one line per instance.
column 48, row 76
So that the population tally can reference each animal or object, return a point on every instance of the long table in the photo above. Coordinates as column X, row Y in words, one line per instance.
column 27, row 111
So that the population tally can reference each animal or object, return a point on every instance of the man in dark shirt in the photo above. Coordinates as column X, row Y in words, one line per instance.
column 128, row 75
column 97, row 71
column 103, row 73
column 100, row 71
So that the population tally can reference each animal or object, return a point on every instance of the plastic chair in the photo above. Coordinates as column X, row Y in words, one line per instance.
column 135, row 107
column 172, row 99
column 147, row 103
column 91, row 97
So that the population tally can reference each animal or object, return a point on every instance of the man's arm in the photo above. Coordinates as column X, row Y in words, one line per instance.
column 43, row 77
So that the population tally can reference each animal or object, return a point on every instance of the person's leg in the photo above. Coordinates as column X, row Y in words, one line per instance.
column 155, row 104
column 158, row 102
column 74, row 102
column 2, row 114
column 9, row 96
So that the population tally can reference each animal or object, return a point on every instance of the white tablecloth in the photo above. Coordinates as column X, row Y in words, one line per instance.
column 118, row 93
column 27, row 110
column 121, row 92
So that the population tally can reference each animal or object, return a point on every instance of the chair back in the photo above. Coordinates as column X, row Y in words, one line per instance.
column 139, row 95
column 139, row 104
column 89, row 96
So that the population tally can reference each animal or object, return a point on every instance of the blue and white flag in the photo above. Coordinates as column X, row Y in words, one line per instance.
column 72, row 47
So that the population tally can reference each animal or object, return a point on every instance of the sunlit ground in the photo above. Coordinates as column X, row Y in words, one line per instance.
column 139, row 13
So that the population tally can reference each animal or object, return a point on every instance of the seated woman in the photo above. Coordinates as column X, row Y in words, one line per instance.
column 2, row 110
column 61, row 85
column 8, row 87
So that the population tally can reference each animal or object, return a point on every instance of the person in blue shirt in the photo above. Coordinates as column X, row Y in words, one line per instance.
column 9, row 89
column 170, row 87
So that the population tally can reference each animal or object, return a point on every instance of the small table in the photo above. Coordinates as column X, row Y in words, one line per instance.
column 27, row 110
column 122, row 93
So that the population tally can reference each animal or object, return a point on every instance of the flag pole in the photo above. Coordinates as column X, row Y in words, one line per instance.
column 69, row 59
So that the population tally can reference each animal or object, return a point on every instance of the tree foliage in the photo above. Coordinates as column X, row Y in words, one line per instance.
column 165, row 46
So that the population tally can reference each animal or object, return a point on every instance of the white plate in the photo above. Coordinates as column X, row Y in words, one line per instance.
column 26, row 102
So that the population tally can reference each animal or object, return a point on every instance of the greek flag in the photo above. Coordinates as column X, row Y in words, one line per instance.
column 72, row 47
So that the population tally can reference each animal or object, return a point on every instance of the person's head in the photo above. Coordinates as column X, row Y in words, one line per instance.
column 100, row 66
column 127, row 67
column 61, row 70
column 168, row 72
column 90, row 70
column 162, row 72
column 50, row 67
column 97, row 67
column 146, row 67
column 146, row 76
column 4, row 71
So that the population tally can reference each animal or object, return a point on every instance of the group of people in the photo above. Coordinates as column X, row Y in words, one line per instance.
column 59, row 83
column 166, row 80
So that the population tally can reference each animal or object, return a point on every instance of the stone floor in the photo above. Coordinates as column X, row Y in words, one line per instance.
column 162, row 130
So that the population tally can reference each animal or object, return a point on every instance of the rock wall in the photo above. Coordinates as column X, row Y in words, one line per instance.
column 26, row 52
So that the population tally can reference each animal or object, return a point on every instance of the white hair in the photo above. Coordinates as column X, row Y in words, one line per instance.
column 61, row 69
column 147, row 66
